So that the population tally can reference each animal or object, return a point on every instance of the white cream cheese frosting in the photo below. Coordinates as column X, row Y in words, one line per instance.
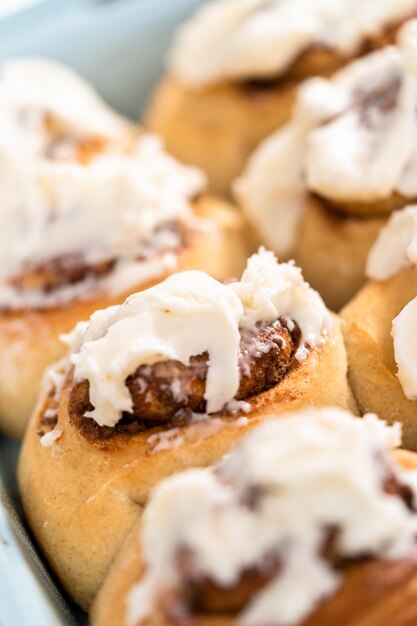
column 40, row 99
column 395, row 246
column 394, row 250
column 405, row 348
column 310, row 471
column 238, row 39
column 189, row 314
column 351, row 139
column 105, row 209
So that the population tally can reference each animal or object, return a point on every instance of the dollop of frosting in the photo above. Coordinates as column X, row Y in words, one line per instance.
column 395, row 246
column 395, row 249
column 55, row 204
column 277, row 495
column 405, row 348
column 351, row 139
column 238, row 39
column 187, row 315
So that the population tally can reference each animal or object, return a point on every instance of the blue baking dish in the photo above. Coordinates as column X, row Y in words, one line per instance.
column 119, row 45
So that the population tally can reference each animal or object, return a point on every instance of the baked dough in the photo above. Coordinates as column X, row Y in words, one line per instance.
column 374, row 593
column 332, row 249
column 29, row 339
column 82, row 497
column 372, row 368
column 218, row 127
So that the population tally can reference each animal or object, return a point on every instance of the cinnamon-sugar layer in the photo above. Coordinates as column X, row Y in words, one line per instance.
column 170, row 392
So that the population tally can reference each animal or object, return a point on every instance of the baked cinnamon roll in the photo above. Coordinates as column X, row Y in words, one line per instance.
column 91, row 211
column 380, row 327
column 168, row 380
column 235, row 67
column 309, row 521
column 321, row 188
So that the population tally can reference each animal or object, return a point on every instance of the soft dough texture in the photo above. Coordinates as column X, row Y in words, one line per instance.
column 218, row 127
column 29, row 340
column 372, row 368
column 332, row 249
column 83, row 497
column 374, row 593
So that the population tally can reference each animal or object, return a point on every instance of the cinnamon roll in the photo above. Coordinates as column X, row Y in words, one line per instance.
column 91, row 211
column 321, row 188
column 309, row 521
column 167, row 380
column 380, row 327
column 235, row 67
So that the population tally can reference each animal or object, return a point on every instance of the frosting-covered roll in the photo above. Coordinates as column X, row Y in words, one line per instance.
column 351, row 142
column 395, row 249
column 194, row 343
column 349, row 150
column 73, row 223
column 382, row 320
column 235, row 66
column 91, row 209
column 275, row 533
column 247, row 39
column 168, row 379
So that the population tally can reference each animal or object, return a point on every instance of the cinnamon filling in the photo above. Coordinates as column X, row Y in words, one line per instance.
column 199, row 594
column 61, row 271
column 362, row 211
column 321, row 60
column 71, row 269
column 169, row 392
column 48, row 420
column 373, row 105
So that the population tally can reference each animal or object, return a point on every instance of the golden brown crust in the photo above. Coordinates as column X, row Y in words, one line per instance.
column 29, row 340
column 373, row 593
column 106, row 483
column 332, row 250
column 217, row 128
column 372, row 369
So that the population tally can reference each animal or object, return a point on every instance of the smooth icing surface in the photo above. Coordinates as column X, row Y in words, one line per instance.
column 311, row 471
column 351, row 139
column 54, row 204
column 186, row 315
column 238, row 39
